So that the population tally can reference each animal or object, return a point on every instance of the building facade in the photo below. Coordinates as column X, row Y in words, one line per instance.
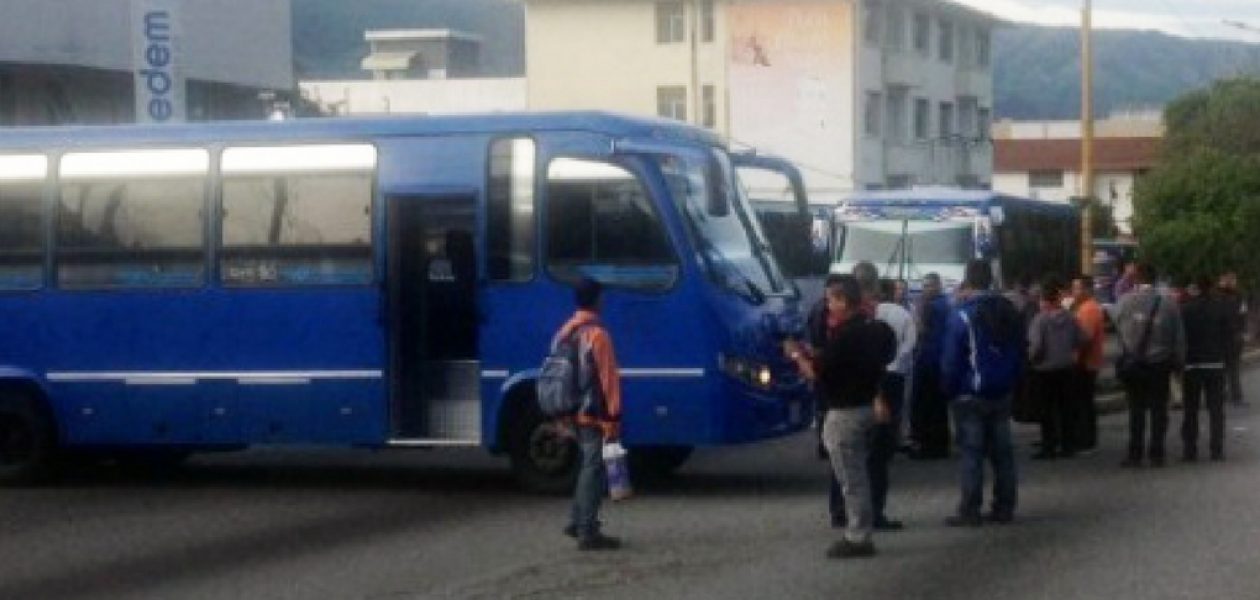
column 110, row 61
column 870, row 94
column 1042, row 160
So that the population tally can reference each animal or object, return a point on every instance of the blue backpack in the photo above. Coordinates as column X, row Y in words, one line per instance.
column 997, row 349
column 564, row 381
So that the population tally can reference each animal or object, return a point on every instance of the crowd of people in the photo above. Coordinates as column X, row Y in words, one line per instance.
column 889, row 375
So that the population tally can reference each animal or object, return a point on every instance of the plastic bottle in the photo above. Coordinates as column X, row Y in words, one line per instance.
column 617, row 470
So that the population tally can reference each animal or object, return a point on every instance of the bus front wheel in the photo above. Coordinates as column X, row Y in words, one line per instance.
column 544, row 455
column 27, row 439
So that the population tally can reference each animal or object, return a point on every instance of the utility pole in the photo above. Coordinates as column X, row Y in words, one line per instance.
column 1087, row 139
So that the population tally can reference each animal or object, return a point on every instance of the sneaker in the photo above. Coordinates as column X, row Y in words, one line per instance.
column 886, row 524
column 847, row 549
column 597, row 542
column 571, row 529
column 964, row 521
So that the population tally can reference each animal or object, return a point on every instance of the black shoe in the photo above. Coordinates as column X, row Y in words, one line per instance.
column 1218, row 457
column 839, row 523
column 1131, row 463
column 886, row 524
column 571, row 530
column 964, row 521
column 1000, row 517
column 1158, row 462
column 597, row 542
column 847, row 549
column 1190, row 457
column 1044, row 456
column 1067, row 454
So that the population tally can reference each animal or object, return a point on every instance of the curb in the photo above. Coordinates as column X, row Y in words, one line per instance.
column 1114, row 401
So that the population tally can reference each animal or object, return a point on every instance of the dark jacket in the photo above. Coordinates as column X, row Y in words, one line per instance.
column 851, row 365
column 984, row 348
column 1054, row 337
column 1209, row 330
column 1233, row 303
column 933, row 322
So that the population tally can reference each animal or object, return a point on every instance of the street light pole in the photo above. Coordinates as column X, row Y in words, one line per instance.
column 1087, row 139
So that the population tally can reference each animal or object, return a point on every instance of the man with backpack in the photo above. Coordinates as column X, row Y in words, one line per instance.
column 1153, row 346
column 580, row 380
column 983, row 355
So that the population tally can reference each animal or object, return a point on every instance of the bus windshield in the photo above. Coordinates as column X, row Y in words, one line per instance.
column 907, row 249
column 731, row 243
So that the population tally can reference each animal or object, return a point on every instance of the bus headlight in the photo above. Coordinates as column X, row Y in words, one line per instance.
column 746, row 371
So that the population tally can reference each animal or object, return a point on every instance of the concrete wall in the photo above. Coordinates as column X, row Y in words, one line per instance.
column 437, row 97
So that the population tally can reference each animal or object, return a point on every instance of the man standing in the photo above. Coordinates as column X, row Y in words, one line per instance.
column 1209, row 322
column 929, row 418
column 848, row 372
column 983, row 355
column 599, row 420
column 1152, row 337
column 1228, row 289
column 1089, row 314
column 1054, row 340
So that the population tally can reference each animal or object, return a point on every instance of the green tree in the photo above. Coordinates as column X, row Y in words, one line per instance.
column 1198, row 212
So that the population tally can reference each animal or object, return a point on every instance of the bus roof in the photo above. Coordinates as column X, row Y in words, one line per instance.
column 614, row 125
column 950, row 196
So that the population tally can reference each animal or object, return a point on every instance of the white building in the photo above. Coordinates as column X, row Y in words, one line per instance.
column 83, row 62
column 1042, row 159
column 424, row 71
column 871, row 94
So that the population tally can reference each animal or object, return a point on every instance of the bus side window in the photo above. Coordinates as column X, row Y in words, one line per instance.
column 132, row 219
column 601, row 224
column 22, row 221
column 510, row 210
column 290, row 220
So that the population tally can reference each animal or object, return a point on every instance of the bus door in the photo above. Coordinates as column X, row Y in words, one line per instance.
column 433, row 317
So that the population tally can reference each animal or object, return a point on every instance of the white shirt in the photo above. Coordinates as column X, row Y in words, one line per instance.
column 902, row 324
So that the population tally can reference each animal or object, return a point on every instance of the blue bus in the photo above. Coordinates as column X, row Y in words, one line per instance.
column 382, row 283
column 909, row 233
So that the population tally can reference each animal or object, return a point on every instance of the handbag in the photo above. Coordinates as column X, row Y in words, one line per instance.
column 1131, row 364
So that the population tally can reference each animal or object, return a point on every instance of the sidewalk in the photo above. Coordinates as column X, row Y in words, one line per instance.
column 1113, row 401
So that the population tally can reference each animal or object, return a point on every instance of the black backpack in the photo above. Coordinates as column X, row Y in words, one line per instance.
column 564, row 385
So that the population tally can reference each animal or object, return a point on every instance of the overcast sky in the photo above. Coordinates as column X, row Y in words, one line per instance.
column 1190, row 18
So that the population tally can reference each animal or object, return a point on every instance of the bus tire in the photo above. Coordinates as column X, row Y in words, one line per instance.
column 544, row 458
column 655, row 463
column 28, row 439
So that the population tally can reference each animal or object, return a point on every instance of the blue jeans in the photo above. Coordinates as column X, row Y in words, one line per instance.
column 591, row 483
column 984, row 431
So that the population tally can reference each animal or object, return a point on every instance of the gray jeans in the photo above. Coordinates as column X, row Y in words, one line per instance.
column 845, row 433
column 592, row 483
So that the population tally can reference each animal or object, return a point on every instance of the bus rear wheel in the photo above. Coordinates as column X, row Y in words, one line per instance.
column 27, row 439
column 544, row 455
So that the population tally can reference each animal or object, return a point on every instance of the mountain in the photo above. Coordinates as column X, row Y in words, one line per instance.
column 1036, row 69
column 328, row 34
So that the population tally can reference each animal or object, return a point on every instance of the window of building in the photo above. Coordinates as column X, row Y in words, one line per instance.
column 708, row 22
column 984, row 47
column 1045, row 179
column 710, row 106
column 132, row 219
column 896, row 114
column 895, row 33
column 873, row 24
column 671, row 22
column 967, row 116
column 873, row 113
column 297, row 215
column 671, row 102
column 946, row 50
column 921, row 118
column 946, row 120
column 922, row 33
column 22, row 238
column 601, row 224
column 510, row 210
column 966, row 45
column 984, row 121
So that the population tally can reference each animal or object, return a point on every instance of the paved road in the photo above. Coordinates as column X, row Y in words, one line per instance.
column 741, row 523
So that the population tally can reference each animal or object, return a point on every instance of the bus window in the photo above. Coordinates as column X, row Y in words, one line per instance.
column 601, row 224
column 510, row 210
column 132, row 219
column 22, row 221
column 297, row 215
